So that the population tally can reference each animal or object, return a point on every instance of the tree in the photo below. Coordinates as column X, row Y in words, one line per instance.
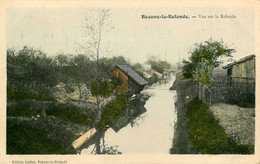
column 203, row 60
column 63, row 63
column 93, row 30
column 29, row 72
column 81, row 72
column 106, row 63
column 138, row 68
column 159, row 66
column 103, row 88
column 94, row 27
column 75, row 71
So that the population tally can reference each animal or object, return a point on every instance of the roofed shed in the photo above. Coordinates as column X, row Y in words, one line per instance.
column 130, row 81
column 242, row 70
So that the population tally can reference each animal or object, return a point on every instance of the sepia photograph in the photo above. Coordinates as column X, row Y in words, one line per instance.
column 95, row 81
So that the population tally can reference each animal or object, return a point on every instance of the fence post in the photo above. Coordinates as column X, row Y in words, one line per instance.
column 204, row 93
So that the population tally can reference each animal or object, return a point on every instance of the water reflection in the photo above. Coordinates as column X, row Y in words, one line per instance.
column 101, row 148
column 143, row 128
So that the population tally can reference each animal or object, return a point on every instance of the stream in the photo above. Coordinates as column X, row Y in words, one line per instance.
column 150, row 132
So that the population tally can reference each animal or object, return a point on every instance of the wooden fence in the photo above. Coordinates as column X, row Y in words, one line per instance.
column 225, row 91
column 204, row 93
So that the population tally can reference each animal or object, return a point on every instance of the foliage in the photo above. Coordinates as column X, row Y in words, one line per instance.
column 203, row 60
column 74, row 71
column 159, row 66
column 206, row 135
column 21, row 110
column 106, row 63
column 204, row 78
column 102, row 88
column 26, row 108
column 187, row 69
column 24, row 139
column 153, row 79
column 138, row 68
column 113, row 110
column 32, row 75
column 69, row 113
column 29, row 72
column 19, row 94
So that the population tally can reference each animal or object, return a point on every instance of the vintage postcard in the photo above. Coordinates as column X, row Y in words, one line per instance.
column 129, row 82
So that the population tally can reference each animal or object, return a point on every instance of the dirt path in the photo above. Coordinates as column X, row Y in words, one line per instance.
column 235, row 119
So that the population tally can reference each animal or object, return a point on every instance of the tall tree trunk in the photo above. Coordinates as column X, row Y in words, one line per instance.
column 80, row 91
column 98, row 147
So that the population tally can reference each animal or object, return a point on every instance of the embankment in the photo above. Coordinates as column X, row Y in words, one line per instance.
column 39, row 127
column 198, row 130
column 186, row 91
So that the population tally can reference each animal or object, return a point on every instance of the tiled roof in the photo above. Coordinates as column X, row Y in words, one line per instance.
column 131, row 73
column 239, row 61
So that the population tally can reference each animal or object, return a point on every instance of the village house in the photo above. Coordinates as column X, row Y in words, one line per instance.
column 242, row 70
column 130, row 81
column 159, row 75
column 166, row 71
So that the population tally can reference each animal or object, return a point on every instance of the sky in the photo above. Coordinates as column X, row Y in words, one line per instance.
column 59, row 30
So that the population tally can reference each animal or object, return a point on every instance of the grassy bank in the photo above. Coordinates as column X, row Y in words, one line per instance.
column 206, row 135
column 181, row 143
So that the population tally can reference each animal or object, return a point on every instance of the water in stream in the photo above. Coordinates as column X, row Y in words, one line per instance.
column 152, row 131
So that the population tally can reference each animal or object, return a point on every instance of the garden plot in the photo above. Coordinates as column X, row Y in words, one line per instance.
column 236, row 120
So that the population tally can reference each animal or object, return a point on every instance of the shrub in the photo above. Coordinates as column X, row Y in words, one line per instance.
column 15, row 94
column 113, row 110
column 69, row 113
column 207, row 136
column 24, row 139
column 152, row 80
column 19, row 111
column 26, row 108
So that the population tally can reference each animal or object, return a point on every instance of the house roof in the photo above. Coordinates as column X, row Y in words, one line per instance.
column 239, row 61
column 159, row 75
column 132, row 74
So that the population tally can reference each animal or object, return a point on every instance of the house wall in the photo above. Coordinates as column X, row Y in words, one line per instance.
column 244, row 71
column 123, row 86
column 134, row 88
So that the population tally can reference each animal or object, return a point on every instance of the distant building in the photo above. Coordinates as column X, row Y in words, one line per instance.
column 166, row 71
column 242, row 70
column 130, row 81
column 159, row 75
